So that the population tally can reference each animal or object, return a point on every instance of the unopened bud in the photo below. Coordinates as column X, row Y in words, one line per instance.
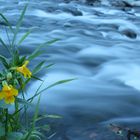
column 4, row 83
column 9, row 76
column 15, row 82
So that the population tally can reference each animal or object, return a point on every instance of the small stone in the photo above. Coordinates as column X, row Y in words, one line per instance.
column 67, row 24
column 129, row 33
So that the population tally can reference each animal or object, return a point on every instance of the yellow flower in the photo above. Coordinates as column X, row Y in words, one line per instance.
column 8, row 93
column 24, row 70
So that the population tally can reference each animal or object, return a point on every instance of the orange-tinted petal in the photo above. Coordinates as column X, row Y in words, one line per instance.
column 9, row 100
column 2, row 95
column 14, row 91
column 24, row 70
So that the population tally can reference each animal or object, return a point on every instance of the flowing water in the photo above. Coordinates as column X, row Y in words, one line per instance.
column 99, row 45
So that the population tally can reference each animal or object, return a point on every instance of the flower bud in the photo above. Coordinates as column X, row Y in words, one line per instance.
column 15, row 82
column 4, row 83
column 9, row 76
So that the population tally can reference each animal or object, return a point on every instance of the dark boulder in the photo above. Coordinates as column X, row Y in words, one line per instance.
column 129, row 33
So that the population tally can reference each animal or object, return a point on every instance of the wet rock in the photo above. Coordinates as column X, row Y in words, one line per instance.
column 73, row 10
column 118, row 3
column 130, row 33
column 70, row 8
column 67, row 24
column 93, row 2
column 132, row 3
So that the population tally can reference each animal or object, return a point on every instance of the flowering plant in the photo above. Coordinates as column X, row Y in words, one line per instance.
column 14, row 77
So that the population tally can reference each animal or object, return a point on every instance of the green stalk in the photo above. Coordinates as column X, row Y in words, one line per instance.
column 25, row 111
column 6, row 122
column 17, row 114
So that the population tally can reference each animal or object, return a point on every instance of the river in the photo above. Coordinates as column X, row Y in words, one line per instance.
column 99, row 46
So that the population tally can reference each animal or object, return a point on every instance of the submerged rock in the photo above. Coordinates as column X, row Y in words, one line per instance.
column 74, row 11
column 93, row 2
column 132, row 2
column 70, row 8
column 129, row 33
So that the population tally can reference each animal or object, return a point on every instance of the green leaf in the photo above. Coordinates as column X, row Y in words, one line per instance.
column 35, row 137
column 16, row 58
column 22, row 101
column 52, row 41
column 22, row 59
column 52, row 135
column 15, row 136
column 48, row 116
column 45, row 127
column 36, row 112
column 36, row 78
column 60, row 82
column 37, row 133
column 19, row 24
column 54, row 116
column 37, row 51
column 4, row 61
column 34, row 55
column 45, row 67
column 52, row 85
column 23, row 38
column 38, row 67
column 6, row 21
column 2, row 131
column 32, row 130
column 4, row 45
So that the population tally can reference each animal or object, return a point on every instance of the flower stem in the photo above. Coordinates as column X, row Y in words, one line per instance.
column 17, row 114
column 6, row 122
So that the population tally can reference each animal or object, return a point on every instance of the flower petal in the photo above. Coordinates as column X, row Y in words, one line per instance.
column 24, row 70
column 2, row 95
column 9, row 100
column 14, row 91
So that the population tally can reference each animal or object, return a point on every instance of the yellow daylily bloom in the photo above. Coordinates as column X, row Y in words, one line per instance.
column 24, row 70
column 8, row 93
column 9, row 100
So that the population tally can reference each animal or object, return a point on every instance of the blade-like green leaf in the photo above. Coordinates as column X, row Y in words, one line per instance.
column 46, row 67
column 45, row 127
column 16, row 57
column 4, row 61
column 52, row 85
column 37, row 133
column 37, row 50
column 48, row 116
column 38, row 67
column 36, row 113
column 34, row 55
column 52, row 41
column 22, row 59
column 30, row 132
column 35, row 137
column 14, row 136
column 4, row 45
column 23, row 38
column 36, row 78
column 23, row 102
column 7, row 22
column 54, row 116
column 2, row 131
column 60, row 82
column 19, row 24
